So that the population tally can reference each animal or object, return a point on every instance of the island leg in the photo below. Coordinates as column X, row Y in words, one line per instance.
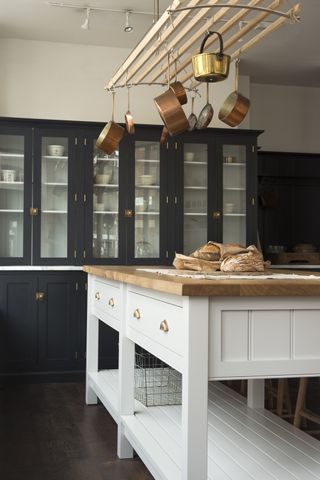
column 126, row 381
column 195, row 390
column 92, row 346
column 255, row 398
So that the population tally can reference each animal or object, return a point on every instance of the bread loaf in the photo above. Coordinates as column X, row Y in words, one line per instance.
column 209, row 251
column 251, row 260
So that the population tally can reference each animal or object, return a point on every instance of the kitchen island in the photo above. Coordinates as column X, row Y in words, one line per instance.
column 208, row 330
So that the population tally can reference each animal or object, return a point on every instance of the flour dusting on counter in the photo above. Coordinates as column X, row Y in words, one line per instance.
column 222, row 276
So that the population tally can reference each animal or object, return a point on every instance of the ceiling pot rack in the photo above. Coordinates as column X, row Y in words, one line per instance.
column 175, row 25
column 251, row 25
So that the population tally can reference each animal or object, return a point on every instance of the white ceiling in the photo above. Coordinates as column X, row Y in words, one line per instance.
column 289, row 56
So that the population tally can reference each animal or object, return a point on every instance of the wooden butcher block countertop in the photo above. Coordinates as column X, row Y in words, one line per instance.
column 307, row 285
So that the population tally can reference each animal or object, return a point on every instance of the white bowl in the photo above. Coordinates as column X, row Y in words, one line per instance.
column 56, row 150
column 99, row 207
column 103, row 178
column 8, row 175
column 189, row 156
column 147, row 179
column 228, row 207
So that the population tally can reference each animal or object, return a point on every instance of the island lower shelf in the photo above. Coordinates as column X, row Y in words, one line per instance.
column 243, row 443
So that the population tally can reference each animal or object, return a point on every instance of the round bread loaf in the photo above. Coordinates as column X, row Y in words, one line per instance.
column 209, row 251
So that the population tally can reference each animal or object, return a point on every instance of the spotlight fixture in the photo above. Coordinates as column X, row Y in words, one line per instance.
column 128, row 28
column 86, row 24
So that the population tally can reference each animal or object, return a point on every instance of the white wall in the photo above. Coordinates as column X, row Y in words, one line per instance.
column 65, row 81
column 289, row 115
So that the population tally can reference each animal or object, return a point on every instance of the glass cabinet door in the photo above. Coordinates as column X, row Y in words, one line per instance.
column 195, row 156
column 147, row 200
column 105, row 203
column 234, row 194
column 12, row 156
column 54, row 189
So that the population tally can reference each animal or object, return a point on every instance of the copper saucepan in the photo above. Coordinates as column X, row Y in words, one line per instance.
column 211, row 67
column 171, row 112
column 164, row 136
column 236, row 106
column 179, row 91
column 128, row 117
column 111, row 135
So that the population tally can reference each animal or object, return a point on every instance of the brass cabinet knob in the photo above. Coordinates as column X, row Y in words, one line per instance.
column 128, row 213
column 111, row 302
column 164, row 326
column 34, row 211
column 97, row 296
column 40, row 296
column 216, row 215
column 137, row 314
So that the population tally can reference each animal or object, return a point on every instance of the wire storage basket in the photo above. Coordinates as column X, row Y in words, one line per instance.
column 156, row 383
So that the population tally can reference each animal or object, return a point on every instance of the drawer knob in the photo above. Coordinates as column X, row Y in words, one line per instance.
column 97, row 296
column 164, row 326
column 111, row 302
column 137, row 314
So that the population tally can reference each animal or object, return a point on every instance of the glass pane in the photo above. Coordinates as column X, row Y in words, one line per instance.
column 234, row 194
column 147, row 200
column 105, row 233
column 11, row 195
column 54, row 197
column 195, row 196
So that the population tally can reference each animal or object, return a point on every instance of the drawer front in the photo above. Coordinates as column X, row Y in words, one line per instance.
column 160, row 321
column 106, row 299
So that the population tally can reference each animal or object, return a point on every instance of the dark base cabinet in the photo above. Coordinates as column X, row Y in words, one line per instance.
column 43, row 325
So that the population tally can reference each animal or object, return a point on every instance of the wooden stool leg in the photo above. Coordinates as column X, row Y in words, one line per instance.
column 280, row 396
column 287, row 397
column 303, row 383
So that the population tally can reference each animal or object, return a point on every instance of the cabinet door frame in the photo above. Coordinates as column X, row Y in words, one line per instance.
column 177, row 147
column 47, row 364
column 152, row 134
column 27, row 133
column 247, row 139
column 73, row 186
column 90, row 136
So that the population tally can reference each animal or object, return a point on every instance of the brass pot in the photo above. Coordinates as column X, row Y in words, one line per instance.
column 171, row 112
column 211, row 67
column 110, row 137
column 236, row 106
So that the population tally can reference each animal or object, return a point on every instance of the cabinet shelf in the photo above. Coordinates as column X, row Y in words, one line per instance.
column 105, row 212
column 64, row 212
column 10, row 210
column 196, row 163
column 108, row 185
column 12, row 155
column 240, row 189
column 238, row 164
column 147, row 213
column 55, row 184
column 147, row 161
column 234, row 214
column 199, row 214
column 187, row 187
column 10, row 185
column 55, row 157
column 147, row 186
column 102, row 159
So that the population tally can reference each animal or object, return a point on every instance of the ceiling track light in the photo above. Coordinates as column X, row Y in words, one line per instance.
column 128, row 28
column 86, row 23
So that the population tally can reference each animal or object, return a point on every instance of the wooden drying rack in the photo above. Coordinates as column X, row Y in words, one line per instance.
column 165, row 51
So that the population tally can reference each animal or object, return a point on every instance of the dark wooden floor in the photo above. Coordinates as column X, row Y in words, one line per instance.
column 48, row 433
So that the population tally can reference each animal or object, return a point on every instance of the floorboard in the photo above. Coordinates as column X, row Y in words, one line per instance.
column 48, row 433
